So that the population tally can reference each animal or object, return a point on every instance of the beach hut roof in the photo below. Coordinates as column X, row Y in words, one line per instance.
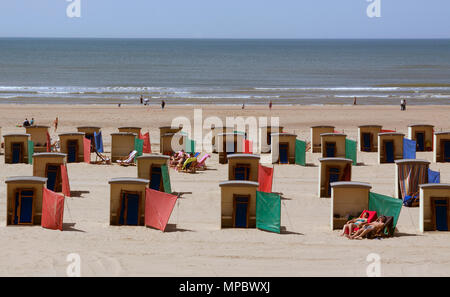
column 405, row 161
column 153, row 156
column 88, row 127
column 38, row 126
column 323, row 126
column 238, row 183
column 442, row 133
column 370, row 126
column 420, row 125
column 37, row 155
column 391, row 133
column 335, row 159
column 252, row 156
column 130, row 128
column 351, row 185
column 171, row 127
column 435, row 186
column 129, row 180
column 124, row 133
column 26, row 179
column 16, row 134
column 334, row 134
column 72, row 134
column 284, row 134
column 270, row 126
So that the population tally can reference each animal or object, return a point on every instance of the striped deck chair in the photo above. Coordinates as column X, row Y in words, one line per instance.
column 129, row 160
column 201, row 165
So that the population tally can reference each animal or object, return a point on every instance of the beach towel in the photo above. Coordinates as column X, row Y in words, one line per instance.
column 385, row 206
column 87, row 150
column 410, row 176
column 350, row 150
column 30, row 151
column 409, row 149
column 268, row 211
column 434, row 177
column 49, row 144
column 158, row 208
column 138, row 146
column 65, row 181
column 147, row 148
column 300, row 152
column 265, row 179
column 248, row 147
column 52, row 210
column 166, row 179
column 98, row 142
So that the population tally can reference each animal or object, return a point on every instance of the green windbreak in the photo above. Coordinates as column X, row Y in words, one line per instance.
column 350, row 150
column 30, row 151
column 166, row 179
column 190, row 146
column 268, row 211
column 385, row 206
column 300, row 152
column 139, row 146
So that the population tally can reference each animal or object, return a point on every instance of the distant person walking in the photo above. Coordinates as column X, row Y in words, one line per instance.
column 146, row 101
column 26, row 123
column 142, row 99
column 270, row 105
column 403, row 105
column 55, row 123
column 243, row 105
column 163, row 104
column 354, row 101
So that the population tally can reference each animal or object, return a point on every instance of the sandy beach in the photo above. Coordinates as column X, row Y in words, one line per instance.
column 194, row 244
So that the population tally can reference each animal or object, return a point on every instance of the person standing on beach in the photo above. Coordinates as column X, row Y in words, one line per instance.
column 26, row 123
column 270, row 105
column 142, row 99
column 243, row 105
column 32, row 122
column 402, row 105
column 163, row 104
column 354, row 101
column 55, row 123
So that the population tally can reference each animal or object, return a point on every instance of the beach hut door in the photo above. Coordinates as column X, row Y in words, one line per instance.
column 23, row 207
column 389, row 151
column 284, row 153
column 53, row 173
column 367, row 142
column 129, row 210
column 333, row 176
column 440, row 208
column 241, row 211
column 446, row 151
column 330, row 149
column 17, row 153
column 156, row 178
column 420, row 138
column 72, row 151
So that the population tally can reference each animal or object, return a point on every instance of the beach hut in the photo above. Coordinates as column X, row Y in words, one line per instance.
column 48, row 165
column 243, row 167
column 316, row 142
column 169, row 139
column 89, row 133
column 409, row 174
column 127, row 201
column 38, row 135
column 333, row 170
column 348, row 198
column 441, row 147
column 16, row 148
column 422, row 135
column 434, row 213
column 333, row 145
column 216, row 131
column 24, row 196
column 135, row 130
column 122, row 144
column 265, row 142
column 229, row 143
column 149, row 167
column 167, row 130
column 368, row 137
column 283, row 148
column 390, row 147
column 238, row 204
column 72, row 144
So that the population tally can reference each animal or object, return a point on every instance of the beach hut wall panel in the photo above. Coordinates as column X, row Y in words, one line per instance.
column 122, row 144
column 368, row 138
column 127, row 201
column 423, row 135
column 238, row 204
column 228, row 144
column 390, row 147
column 135, row 130
column 265, row 142
column 333, row 145
column 418, row 168
column 348, row 198
column 333, row 170
column 16, row 148
column 434, row 213
column 168, row 148
column 38, row 135
column 149, row 167
column 316, row 141
column 89, row 133
column 216, row 131
column 441, row 147
column 167, row 130
column 72, row 144
column 283, row 148
column 48, row 165
column 243, row 167
column 24, row 200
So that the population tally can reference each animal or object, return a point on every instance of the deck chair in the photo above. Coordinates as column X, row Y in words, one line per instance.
column 201, row 165
column 101, row 159
column 308, row 147
column 189, row 165
column 128, row 160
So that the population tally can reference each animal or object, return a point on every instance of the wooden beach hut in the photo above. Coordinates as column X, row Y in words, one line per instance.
column 265, row 142
column 127, row 201
column 122, row 144
column 228, row 144
column 316, row 142
column 24, row 196
column 149, row 167
column 38, row 135
column 167, row 130
column 89, row 133
column 72, row 144
column 390, row 147
column 333, row 145
column 333, row 170
column 423, row 135
column 368, row 137
column 441, row 147
column 238, row 204
column 434, row 213
column 135, row 130
column 172, row 142
column 283, row 148
column 16, row 148
column 48, row 165
column 243, row 167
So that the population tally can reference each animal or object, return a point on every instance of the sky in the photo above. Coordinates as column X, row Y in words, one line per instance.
column 285, row 19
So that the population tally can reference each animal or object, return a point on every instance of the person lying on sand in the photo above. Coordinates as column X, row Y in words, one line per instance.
column 371, row 227
column 355, row 223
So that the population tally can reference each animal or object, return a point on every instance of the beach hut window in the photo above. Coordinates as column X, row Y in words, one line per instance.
column 440, row 213
column 53, row 174
column 240, row 211
column 330, row 149
column 367, row 142
column 17, row 152
column 332, row 176
column 420, row 141
column 129, row 208
column 284, row 153
column 156, row 181
column 72, row 151
column 389, row 151
column 445, row 150
column 23, row 207
column 242, row 172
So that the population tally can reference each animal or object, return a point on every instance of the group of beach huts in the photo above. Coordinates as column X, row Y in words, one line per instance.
column 130, row 197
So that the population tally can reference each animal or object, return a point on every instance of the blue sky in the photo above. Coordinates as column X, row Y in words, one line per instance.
column 226, row 19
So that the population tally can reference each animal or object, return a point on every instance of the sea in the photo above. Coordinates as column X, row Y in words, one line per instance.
column 224, row 71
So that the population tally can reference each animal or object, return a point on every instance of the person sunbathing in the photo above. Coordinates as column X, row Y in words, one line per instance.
column 368, row 228
column 355, row 223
